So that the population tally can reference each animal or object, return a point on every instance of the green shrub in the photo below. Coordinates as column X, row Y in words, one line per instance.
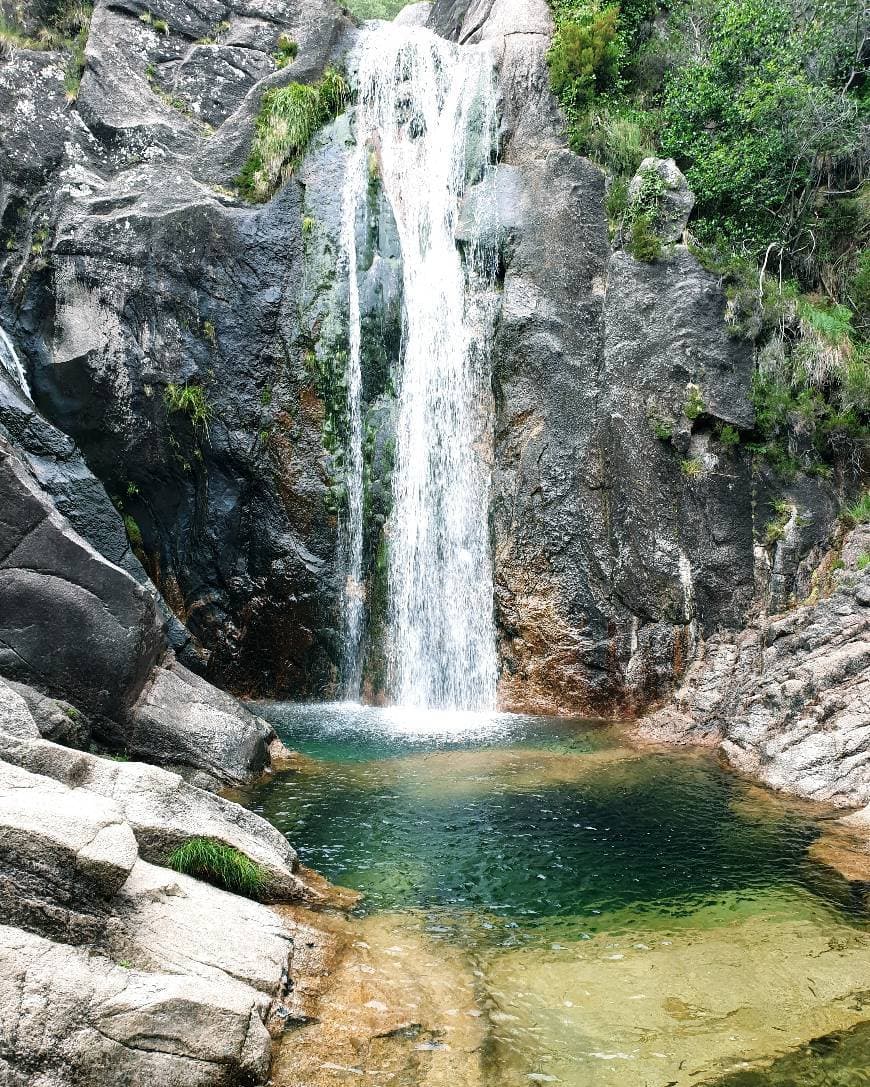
column 190, row 400
column 692, row 468
column 584, row 56
column 219, row 864
column 729, row 435
column 288, row 118
column 286, row 52
column 863, row 561
column 134, row 533
column 644, row 244
column 694, row 403
column 775, row 528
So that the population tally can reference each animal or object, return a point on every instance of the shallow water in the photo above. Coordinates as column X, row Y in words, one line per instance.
column 626, row 916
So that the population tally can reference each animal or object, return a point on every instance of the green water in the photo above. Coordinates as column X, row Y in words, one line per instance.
column 546, row 849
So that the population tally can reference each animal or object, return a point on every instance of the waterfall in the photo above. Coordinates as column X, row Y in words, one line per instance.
column 426, row 113
column 12, row 364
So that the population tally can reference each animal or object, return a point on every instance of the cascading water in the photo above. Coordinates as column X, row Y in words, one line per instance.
column 11, row 363
column 426, row 112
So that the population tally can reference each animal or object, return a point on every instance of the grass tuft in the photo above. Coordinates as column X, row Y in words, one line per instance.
column 219, row 864
column 189, row 399
column 858, row 512
column 289, row 117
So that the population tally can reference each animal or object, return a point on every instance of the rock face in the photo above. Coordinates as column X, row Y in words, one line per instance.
column 130, row 268
column 115, row 970
column 788, row 699
column 622, row 509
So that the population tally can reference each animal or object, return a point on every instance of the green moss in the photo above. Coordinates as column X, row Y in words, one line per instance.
column 288, row 118
column 863, row 561
column 209, row 332
column 219, row 864
column 266, row 396
column 134, row 533
column 692, row 468
column 729, row 435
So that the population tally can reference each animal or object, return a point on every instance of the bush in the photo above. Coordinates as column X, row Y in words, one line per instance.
column 584, row 56
column 644, row 244
column 219, row 864
column 286, row 52
column 289, row 117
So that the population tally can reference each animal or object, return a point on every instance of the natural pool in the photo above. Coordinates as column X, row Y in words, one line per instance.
column 603, row 915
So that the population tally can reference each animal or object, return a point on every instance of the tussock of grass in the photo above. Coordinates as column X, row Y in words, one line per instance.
column 189, row 399
column 219, row 864
column 288, row 118
column 858, row 512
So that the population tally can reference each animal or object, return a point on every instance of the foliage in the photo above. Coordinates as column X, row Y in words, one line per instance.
column 375, row 9
column 692, row 468
column 190, row 400
column 728, row 435
column 863, row 560
column 286, row 52
column 584, row 56
column 756, row 122
column 693, row 404
column 775, row 528
column 644, row 244
column 219, row 864
column 288, row 118
column 134, row 533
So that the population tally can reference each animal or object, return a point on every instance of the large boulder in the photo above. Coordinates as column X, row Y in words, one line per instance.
column 660, row 190
column 181, row 720
column 63, row 854
column 72, row 1018
column 164, row 811
column 69, row 620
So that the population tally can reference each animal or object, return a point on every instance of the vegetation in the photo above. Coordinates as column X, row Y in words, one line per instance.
column 289, row 117
column 375, row 9
column 775, row 529
column 693, row 404
column 692, row 468
column 219, row 864
column 863, row 561
column 64, row 28
column 286, row 52
column 134, row 533
column 858, row 512
column 763, row 105
column 191, row 401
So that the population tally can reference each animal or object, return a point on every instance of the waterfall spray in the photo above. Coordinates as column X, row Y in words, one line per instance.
column 426, row 111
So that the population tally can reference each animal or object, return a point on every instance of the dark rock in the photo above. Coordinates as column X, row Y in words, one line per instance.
column 70, row 621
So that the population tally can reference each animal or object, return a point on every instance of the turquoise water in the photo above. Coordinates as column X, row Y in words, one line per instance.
column 504, row 834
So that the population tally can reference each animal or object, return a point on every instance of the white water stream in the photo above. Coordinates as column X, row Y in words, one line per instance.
column 426, row 111
column 11, row 363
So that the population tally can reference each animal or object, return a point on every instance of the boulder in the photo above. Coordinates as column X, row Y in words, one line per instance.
column 660, row 188
column 15, row 716
column 181, row 720
column 69, row 1017
column 177, row 924
column 70, row 621
column 64, row 853
column 164, row 811
column 55, row 719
